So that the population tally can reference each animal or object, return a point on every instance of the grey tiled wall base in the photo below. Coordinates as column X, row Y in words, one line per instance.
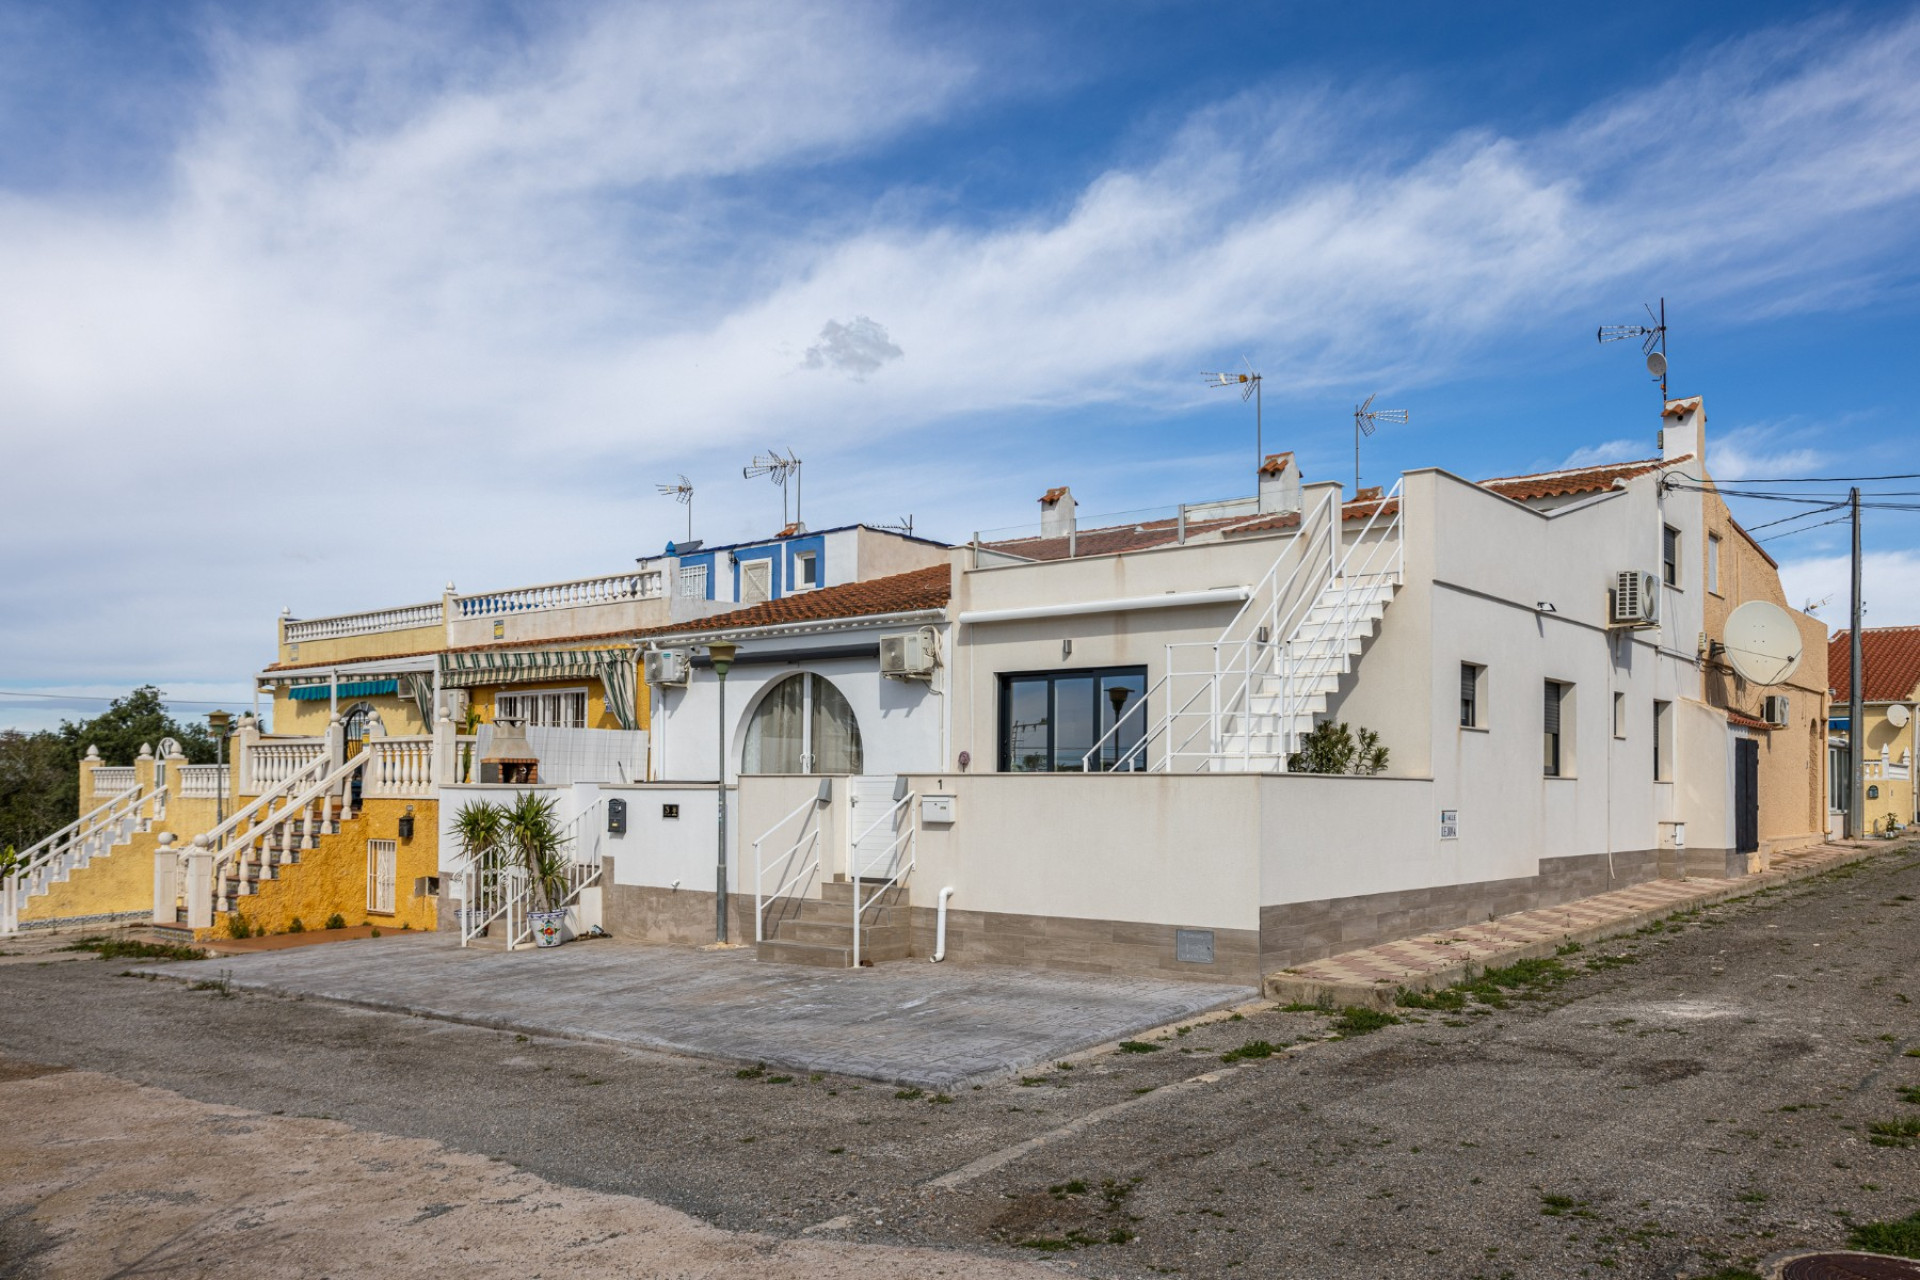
column 1300, row 931
column 1061, row 944
column 645, row 913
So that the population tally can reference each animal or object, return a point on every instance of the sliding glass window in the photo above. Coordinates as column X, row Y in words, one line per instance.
column 1050, row 721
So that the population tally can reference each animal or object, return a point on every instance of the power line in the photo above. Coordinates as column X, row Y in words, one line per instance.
column 1911, row 475
column 1798, row 515
column 94, row 697
column 1788, row 533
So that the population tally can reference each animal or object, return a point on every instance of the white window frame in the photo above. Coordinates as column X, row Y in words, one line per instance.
column 383, row 858
column 1670, row 565
column 1713, row 563
column 532, row 708
column 806, row 565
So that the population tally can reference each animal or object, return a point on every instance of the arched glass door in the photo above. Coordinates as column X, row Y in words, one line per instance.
column 803, row 725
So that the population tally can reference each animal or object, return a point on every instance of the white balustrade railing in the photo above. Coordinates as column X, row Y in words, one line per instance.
column 404, row 618
column 111, row 780
column 272, row 761
column 400, row 767
column 202, row 781
column 563, row 595
column 42, row 865
column 274, row 829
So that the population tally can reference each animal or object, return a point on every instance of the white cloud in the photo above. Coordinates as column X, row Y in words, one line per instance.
column 1761, row 452
column 857, row 348
column 1610, row 451
column 401, row 289
column 1889, row 587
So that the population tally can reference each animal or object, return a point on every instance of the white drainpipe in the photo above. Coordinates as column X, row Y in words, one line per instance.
column 940, row 928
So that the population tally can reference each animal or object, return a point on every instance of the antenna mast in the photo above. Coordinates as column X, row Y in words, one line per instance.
column 681, row 493
column 1365, row 418
column 1249, row 384
column 777, row 467
column 1653, row 343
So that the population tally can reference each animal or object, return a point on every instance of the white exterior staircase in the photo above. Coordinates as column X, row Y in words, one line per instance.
column 1243, row 702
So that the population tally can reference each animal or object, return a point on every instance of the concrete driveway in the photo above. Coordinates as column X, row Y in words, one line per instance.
column 910, row 1023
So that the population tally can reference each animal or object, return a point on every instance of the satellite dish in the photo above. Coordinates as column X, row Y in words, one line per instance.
column 1898, row 715
column 1763, row 643
column 1656, row 364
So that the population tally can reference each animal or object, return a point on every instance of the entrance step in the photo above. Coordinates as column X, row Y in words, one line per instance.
column 829, row 955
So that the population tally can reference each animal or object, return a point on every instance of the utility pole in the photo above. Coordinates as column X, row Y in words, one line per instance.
column 1856, row 740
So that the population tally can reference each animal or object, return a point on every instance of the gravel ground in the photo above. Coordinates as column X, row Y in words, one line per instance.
column 1684, row 1100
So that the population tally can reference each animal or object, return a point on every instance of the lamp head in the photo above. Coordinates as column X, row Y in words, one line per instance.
column 722, row 651
column 219, row 722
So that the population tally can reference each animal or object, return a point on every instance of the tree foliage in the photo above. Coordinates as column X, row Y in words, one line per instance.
column 40, row 771
column 1336, row 748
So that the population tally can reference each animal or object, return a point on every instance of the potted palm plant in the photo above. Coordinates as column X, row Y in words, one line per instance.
column 537, row 848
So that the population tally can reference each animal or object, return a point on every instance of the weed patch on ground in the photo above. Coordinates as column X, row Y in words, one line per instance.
column 1357, row 1021
column 1901, row 1237
column 1894, row 1133
column 1138, row 1046
column 128, row 949
column 1450, row 999
column 1251, row 1051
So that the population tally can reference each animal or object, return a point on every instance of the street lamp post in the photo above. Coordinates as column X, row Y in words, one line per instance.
column 721, row 652
column 220, row 722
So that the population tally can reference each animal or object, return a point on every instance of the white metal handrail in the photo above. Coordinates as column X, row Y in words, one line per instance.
column 41, row 863
column 761, row 899
column 909, row 834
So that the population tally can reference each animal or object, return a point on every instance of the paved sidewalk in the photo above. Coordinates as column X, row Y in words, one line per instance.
column 911, row 1023
column 1374, row 975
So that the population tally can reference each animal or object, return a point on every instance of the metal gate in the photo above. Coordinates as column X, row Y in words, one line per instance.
column 872, row 826
column 1746, row 795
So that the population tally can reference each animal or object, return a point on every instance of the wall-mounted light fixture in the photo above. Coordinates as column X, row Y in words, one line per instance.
column 406, row 824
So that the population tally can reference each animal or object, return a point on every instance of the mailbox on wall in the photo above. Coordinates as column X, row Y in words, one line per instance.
column 616, row 817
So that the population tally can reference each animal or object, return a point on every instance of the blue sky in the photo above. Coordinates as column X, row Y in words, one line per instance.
column 324, row 306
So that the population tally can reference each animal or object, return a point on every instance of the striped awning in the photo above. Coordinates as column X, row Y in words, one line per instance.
column 322, row 692
column 525, row 666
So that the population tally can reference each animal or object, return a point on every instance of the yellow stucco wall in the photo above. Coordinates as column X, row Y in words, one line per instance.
column 378, row 644
column 309, row 719
column 1896, row 796
column 332, row 877
column 1793, row 760
column 114, row 883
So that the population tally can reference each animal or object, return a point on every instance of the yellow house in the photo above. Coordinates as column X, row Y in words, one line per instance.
column 1889, row 707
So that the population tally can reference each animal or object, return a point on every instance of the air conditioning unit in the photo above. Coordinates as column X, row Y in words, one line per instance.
column 669, row 666
column 1777, row 711
column 908, row 656
column 1634, row 600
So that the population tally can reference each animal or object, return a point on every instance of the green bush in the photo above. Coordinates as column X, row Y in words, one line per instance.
column 1335, row 748
column 296, row 926
column 336, row 921
column 237, row 926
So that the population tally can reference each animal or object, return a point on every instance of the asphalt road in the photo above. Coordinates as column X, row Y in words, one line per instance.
column 1686, row 1100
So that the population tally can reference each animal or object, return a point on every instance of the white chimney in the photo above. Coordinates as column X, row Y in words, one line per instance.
column 1683, row 430
column 1279, row 484
column 1056, row 512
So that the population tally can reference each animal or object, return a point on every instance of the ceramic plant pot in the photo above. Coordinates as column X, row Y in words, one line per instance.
column 546, row 927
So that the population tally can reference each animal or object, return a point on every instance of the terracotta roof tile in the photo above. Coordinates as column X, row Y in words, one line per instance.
column 1746, row 721
column 1052, row 496
column 349, row 662
column 928, row 588
column 1276, row 464
column 1559, row 484
column 1890, row 655
column 1680, row 408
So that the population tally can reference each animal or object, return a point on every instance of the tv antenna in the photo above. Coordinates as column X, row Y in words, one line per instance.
column 905, row 526
column 1653, row 343
column 1249, row 384
column 777, row 468
column 1365, row 418
column 681, row 493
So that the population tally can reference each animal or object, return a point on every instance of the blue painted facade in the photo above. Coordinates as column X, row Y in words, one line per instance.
column 782, row 554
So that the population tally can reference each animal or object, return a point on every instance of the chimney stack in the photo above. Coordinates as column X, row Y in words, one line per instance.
column 1683, row 429
column 1279, row 484
column 1056, row 513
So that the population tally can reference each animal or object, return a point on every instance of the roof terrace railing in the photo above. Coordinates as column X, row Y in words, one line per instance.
column 403, row 618
column 645, row 585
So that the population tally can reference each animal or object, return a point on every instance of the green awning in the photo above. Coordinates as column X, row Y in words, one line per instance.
column 347, row 689
column 527, row 666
